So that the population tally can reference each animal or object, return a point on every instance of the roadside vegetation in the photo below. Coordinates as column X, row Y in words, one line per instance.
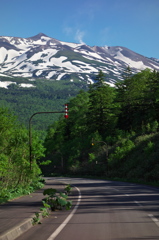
column 16, row 176
column 54, row 200
column 111, row 133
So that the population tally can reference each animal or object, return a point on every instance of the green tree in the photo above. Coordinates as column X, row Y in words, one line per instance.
column 101, row 116
column 15, row 170
column 99, row 80
column 65, row 139
column 136, row 106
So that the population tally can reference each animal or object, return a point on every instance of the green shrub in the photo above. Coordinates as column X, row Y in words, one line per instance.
column 149, row 148
column 121, row 151
column 56, row 200
column 68, row 189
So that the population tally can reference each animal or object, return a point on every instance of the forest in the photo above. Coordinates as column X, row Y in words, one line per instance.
column 111, row 132
column 45, row 96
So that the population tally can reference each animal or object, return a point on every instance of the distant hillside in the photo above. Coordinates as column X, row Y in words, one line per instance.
column 25, row 98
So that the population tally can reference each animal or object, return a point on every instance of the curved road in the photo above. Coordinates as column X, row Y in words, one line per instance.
column 103, row 210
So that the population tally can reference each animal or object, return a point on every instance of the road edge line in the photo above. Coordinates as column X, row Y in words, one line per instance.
column 59, row 229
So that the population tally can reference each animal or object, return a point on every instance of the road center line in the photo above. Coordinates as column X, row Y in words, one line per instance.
column 59, row 229
column 155, row 220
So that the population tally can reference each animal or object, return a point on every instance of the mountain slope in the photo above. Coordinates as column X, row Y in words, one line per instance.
column 41, row 56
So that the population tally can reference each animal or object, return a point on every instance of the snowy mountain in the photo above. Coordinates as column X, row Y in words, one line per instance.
column 45, row 57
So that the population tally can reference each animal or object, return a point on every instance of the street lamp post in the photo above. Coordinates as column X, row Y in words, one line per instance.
column 30, row 130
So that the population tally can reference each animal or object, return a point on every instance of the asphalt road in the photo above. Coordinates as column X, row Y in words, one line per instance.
column 103, row 210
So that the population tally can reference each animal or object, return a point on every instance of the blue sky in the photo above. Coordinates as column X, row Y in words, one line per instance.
column 129, row 23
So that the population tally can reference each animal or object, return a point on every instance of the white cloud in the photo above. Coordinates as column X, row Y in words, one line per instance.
column 79, row 36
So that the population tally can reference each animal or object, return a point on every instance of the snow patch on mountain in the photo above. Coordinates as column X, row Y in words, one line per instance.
column 60, row 76
column 7, row 55
column 5, row 84
column 72, row 45
column 132, row 64
column 3, row 75
column 50, row 74
column 26, row 85
column 41, row 56
column 3, row 53
column 92, row 54
column 154, row 66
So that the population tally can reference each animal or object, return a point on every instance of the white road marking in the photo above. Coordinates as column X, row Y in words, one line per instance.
column 155, row 220
column 59, row 229
column 137, row 203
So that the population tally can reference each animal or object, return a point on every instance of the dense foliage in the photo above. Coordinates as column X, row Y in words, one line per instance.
column 16, row 175
column 110, row 132
column 44, row 96
column 112, row 119
column 18, row 104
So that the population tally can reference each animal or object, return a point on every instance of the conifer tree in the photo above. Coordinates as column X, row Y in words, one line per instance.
column 100, row 103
